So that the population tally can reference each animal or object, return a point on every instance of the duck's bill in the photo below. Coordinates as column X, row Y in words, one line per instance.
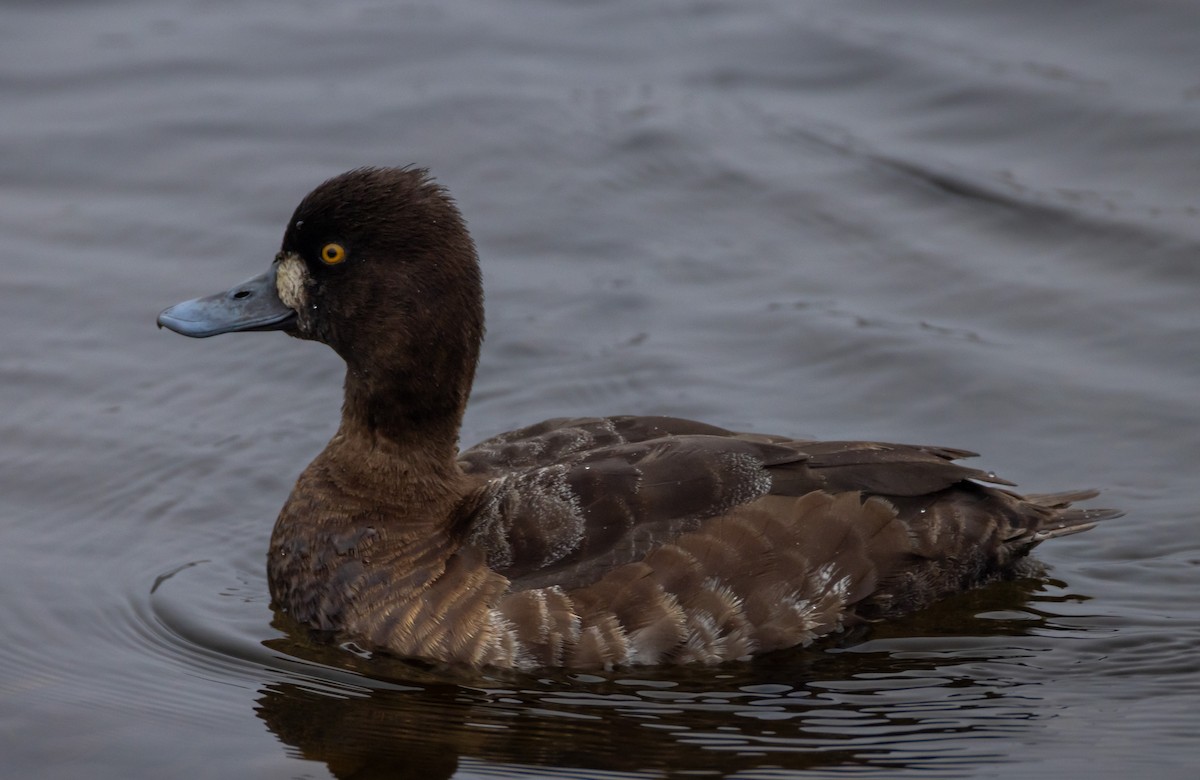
column 252, row 305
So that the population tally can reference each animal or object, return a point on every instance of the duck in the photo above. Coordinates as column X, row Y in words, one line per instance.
column 579, row 543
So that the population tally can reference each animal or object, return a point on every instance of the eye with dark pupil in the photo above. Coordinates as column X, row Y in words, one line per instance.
column 332, row 254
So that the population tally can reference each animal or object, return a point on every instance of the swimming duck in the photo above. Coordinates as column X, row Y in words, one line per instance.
column 587, row 542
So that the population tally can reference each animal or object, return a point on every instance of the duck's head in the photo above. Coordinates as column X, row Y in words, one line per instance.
column 377, row 263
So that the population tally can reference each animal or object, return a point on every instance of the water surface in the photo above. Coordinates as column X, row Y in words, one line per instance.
column 968, row 224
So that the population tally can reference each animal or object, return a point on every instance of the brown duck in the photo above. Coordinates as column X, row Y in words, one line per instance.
column 584, row 542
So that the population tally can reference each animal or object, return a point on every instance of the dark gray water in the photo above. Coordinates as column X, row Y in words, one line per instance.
column 970, row 224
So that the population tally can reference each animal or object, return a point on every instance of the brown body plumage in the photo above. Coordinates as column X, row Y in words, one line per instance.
column 588, row 542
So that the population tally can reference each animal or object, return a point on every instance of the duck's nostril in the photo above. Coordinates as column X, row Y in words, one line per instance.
column 240, row 294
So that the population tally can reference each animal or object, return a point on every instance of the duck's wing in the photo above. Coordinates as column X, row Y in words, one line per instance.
column 567, row 501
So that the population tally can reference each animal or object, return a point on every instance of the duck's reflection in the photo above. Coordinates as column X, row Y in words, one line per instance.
column 886, row 703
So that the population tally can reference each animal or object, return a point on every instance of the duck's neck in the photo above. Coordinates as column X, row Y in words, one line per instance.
column 407, row 384
column 403, row 435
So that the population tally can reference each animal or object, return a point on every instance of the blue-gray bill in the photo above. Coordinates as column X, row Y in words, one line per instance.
column 252, row 305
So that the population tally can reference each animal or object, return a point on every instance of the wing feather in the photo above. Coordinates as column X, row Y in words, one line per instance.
column 567, row 500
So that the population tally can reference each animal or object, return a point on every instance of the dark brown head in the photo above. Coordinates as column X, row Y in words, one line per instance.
column 377, row 263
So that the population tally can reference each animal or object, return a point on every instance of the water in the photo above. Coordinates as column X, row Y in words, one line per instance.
column 970, row 224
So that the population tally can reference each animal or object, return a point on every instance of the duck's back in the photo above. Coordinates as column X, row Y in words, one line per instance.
column 659, row 540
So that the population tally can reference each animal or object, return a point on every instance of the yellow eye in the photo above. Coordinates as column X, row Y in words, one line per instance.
column 332, row 254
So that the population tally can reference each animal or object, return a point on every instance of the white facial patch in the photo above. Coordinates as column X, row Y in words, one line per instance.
column 291, row 282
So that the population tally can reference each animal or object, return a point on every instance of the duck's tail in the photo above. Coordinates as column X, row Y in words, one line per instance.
column 1063, row 519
